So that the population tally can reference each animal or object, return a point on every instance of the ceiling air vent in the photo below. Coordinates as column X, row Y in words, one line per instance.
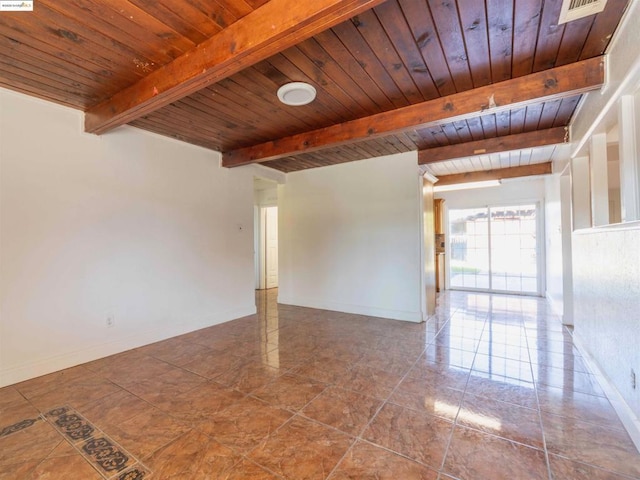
column 575, row 9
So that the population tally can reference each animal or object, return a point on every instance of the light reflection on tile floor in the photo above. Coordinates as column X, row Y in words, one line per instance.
column 489, row 388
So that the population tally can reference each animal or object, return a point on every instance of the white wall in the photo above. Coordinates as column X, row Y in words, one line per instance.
column 606, row 278
column 266, row 197
column 580, row 193
column 606, row 261
column 553, row 244
column 623, row 74
column 145, row 229
column 350, row 238
column 516, row 190
column 266, row 184
column 567, row 254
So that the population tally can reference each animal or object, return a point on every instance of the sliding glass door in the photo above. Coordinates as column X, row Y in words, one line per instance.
column 469, row 247
column 495, row 249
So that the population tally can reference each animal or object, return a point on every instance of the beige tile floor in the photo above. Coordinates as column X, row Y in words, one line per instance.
column 490, row 388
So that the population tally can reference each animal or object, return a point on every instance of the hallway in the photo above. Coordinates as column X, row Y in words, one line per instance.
column 491, row 387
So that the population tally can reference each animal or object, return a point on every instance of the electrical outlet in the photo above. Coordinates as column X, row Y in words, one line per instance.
column 110, row 321
column 633, row 379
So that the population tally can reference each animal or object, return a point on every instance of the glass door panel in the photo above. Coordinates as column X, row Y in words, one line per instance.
column 494, row 248
column 514, row 261
column 469, row 241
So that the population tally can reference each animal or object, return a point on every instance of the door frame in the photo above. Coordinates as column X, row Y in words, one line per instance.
column 271, row 227
column 540, row 246
column 260, row 244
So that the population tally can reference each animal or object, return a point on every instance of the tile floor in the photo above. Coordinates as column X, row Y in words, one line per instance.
column 490, row 388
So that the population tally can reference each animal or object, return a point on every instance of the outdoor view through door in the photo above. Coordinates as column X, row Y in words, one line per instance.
column 494, row 249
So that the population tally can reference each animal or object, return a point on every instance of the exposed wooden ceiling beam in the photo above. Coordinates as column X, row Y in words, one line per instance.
column 271, row 28
column 537, row 138
column 498, row 174
column 556, row 83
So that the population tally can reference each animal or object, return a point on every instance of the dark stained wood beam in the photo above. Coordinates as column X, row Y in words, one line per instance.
column 537, row 138
column 271, row 28
column 498, row 174
column 552, row 84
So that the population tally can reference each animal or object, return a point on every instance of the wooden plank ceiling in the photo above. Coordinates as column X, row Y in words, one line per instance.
column 206, row 72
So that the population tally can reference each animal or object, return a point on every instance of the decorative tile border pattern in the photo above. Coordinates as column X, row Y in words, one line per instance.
column 19, row 426
column 105, row 454
column 135, row 473
column 110, row 459
column 70, row 424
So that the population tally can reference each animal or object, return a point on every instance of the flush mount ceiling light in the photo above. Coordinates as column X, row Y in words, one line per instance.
column 296, row 94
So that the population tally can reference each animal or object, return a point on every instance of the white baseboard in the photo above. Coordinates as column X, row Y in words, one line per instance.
column 628, row 418
column 54, row 363
column 406, row 316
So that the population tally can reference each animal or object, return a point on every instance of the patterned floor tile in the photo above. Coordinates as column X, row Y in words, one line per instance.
column 302, row 450
column 295, row 393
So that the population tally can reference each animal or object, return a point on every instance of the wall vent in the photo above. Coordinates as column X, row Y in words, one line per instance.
column 575, row 9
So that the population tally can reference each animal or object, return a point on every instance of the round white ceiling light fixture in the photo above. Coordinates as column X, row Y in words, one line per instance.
column 296, row 94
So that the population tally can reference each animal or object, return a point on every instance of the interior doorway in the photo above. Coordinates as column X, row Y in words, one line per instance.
column 266, row 246
column 271, row 247
column 266, row 234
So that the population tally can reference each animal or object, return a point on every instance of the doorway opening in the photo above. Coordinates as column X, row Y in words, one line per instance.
column 495, row 249
column 266, row 234
column 269, row 247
